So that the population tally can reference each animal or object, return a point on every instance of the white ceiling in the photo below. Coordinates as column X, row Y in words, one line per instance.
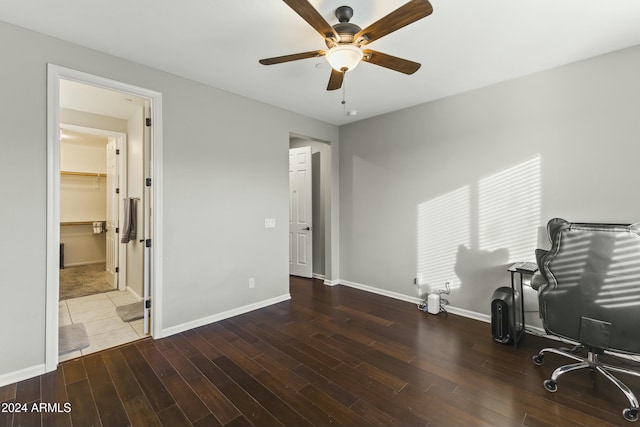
column 464, row 44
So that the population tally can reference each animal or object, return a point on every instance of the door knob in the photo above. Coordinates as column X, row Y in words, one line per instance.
column 307, row 229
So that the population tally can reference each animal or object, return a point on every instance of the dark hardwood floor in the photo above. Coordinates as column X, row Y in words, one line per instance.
column 332, row 356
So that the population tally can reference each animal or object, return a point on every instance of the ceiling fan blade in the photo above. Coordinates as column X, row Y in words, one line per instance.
column 313, row 17
column 294, row 57
column 401, row 17
column 335, row 80
column 390, row 62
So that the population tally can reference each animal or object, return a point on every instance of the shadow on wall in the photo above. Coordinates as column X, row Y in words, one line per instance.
column 470, row 235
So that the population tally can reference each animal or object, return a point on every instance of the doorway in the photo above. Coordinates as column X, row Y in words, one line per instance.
column 314, row 260
column 91, row 105
column 93, row 287
column 92, row 169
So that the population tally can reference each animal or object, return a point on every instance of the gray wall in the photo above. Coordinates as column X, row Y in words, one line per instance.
column 457, row 188
column 225, row 170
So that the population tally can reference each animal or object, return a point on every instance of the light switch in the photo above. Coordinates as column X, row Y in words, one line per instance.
column 270, row 223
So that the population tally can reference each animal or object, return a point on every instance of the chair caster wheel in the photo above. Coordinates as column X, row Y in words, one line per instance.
column 538, row 359
column 550, row 386
column 630, row 414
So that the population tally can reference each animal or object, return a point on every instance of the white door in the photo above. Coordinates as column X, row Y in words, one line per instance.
column 112, row 212
column 300, row 230
column 146, row 209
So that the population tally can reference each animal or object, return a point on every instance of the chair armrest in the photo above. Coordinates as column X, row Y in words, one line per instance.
column 537, row 281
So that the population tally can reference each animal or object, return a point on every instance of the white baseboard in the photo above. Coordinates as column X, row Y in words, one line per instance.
column 22, row 374
column 318, row 276
column 415, row 300
column 383, row 292
column 134, row 294
column 468, row 313
column 224, row 315
column 331, row 282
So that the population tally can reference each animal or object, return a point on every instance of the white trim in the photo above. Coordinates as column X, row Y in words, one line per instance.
column 383, row 292
column 134, row 293
column 469, row 314
column 536, row 330
column 332, row 282
column 318, row 276
column 156, row 208
column 22, row 374
column 224, row 315
column 415, row 300
column 52, row 288
column 56, row 73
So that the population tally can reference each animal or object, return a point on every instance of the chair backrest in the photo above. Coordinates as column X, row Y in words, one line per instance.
column 593, row 291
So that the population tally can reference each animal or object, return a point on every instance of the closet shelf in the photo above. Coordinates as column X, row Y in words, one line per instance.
column 80, row 222
column 94, row 174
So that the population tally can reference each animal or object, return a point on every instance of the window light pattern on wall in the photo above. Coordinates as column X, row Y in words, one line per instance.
column 509, row 210
column 443, row 225
column 499, row 212
column 620, row 286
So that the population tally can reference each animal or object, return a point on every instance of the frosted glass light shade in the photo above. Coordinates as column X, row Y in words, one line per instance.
column 344, row 56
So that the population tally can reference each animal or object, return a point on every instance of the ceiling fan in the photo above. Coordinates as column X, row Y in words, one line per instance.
column 345, row 39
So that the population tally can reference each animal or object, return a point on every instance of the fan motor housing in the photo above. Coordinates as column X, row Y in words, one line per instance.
column 346, row 31
column 344, row 28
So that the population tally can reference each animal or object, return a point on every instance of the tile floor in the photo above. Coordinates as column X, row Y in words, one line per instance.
column 104, row 327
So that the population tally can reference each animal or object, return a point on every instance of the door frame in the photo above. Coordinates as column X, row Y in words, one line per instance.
column 56, row 73
column 331, row 217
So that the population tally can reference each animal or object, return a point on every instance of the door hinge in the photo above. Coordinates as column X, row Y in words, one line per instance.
column 147, row 243
column 147, row 303
column 117, row 230
column 117, row 151
column 148, row 121
column 117, row 269
column 117, row 191
column 148, row 182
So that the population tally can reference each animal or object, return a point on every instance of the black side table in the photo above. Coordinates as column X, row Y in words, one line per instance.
column 523, row 269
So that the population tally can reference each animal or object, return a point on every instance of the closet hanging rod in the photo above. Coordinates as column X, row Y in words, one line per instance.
column 78, row 222
column 71, row 173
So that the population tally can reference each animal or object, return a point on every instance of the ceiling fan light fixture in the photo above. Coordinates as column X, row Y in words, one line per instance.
column 344, row 56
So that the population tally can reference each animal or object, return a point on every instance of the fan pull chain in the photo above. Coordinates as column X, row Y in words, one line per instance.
column 344, row 94
column 344, row 98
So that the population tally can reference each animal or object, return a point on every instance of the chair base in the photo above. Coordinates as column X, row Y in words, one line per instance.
column 591, row 362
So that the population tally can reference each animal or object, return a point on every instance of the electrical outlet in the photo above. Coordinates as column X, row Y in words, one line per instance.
column 252, row 282
column 269, row 223
column 419, row 279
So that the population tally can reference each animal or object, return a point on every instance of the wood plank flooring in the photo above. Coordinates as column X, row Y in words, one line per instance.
column 332, row 356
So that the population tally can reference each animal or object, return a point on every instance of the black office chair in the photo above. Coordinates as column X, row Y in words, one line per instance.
column 589, row 293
